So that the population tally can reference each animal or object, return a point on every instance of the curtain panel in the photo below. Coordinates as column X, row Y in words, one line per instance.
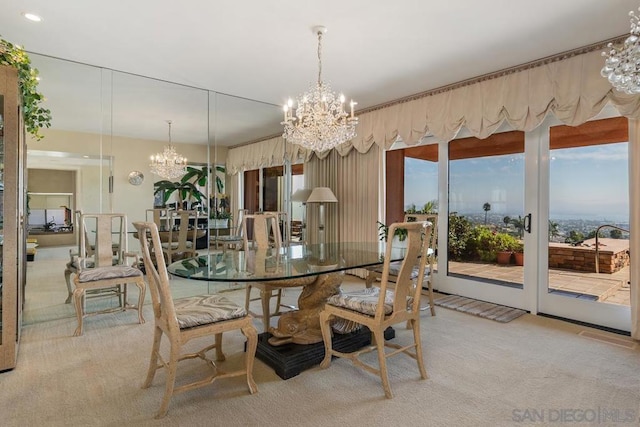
column 353, row 178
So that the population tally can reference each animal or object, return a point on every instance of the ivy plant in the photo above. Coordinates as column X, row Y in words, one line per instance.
column 35, row 116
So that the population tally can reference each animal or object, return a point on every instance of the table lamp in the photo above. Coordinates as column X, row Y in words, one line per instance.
column 321, row 195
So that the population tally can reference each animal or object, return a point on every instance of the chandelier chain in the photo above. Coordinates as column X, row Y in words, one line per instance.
column 319, row 57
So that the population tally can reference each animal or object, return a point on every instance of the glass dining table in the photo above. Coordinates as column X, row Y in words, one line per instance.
column 317, row 267
column 295, row 343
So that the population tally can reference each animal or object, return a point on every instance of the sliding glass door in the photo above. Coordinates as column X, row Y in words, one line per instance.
column 585, row 269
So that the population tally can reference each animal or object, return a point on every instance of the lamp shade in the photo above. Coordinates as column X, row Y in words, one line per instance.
column 301, row 195
column 322, row 195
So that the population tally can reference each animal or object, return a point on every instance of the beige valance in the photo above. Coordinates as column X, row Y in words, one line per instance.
column 271, row 152
column 572, row 89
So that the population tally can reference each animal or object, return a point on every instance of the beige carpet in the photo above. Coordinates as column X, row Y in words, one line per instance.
column 482, row 373
column 499, row 313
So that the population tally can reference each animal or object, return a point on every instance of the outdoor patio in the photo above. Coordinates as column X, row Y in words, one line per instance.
column 610, row 288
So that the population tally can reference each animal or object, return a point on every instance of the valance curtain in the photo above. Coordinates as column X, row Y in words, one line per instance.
column 271, row 152
column 572, row 89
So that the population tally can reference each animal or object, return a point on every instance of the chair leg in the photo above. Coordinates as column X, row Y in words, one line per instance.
column 220, row 357
column 415, row 324
column 78, row 300
column 325, row 327
column 250, row 332
column 142, row 287
column 172, row 369
column 382, row 361
column 432, row 306
column 247, row 299
column 153, row 362
column 265, row 297
column 67, row 278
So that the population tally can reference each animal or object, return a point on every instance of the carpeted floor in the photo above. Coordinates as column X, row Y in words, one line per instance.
column 481, row 373
column 499, row 313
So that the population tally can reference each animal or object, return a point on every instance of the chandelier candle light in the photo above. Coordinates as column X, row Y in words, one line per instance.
column 320, row 122
column 622, row 66
column 168, row 164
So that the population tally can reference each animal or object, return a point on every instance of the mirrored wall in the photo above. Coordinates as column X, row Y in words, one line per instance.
column 105, row 126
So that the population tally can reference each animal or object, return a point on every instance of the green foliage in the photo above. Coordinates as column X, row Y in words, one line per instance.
column 519, row 225
column 221, row 214
column 430, row 207
column 219, row 183
column 383, row 232
column 553, row 229
column 574, row 237
column 615, row 234
column 592, row 234
column 35, row 116
column 186, row 187
column 477, row 243
column 460, row 234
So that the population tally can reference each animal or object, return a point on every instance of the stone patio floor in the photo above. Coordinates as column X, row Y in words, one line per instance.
column 609, row 288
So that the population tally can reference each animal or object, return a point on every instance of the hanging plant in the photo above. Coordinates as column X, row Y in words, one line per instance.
column 35, row 116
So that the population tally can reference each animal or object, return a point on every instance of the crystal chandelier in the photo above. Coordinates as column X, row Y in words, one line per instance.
column 168, row 164
column 320, row 122
column 622, row 66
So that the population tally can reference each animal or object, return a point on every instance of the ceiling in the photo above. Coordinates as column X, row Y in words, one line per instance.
column 374, row 52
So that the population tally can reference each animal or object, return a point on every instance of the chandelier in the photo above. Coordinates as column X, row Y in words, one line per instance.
column 320, row 122
column 168, row 164
column 622, row 66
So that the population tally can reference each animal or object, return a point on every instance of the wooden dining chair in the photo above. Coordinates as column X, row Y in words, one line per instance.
column 101, row 271
column 375, row 273
column 236, row 237
column 184, row 319
column 161, row 217
column 380, row 308
column 181, row 242
column 261, row 231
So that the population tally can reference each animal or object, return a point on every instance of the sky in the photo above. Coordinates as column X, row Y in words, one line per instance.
column 585, row 183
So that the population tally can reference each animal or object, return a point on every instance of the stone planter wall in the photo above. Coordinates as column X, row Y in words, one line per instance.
column 613, row 256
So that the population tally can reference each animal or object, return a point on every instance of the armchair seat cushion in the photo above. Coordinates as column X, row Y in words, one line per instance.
column 364, row 301
column 104, row 273
column 205, row 309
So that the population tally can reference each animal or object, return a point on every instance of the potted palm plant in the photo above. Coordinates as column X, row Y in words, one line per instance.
column 186, row 188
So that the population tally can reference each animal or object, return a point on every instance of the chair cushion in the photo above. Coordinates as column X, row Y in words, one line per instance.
column 227, row 238
column 364, row 301
column 103, row 273
column 205, row 309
